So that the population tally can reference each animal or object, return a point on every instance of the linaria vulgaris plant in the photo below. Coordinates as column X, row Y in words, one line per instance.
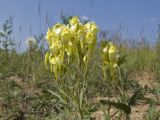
column 71, row 47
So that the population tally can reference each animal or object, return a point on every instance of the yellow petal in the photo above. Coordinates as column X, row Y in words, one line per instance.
column 66, row 34
column 74, row 21
column 90, row 38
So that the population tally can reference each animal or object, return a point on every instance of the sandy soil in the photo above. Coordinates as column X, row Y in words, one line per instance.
column 138, row 111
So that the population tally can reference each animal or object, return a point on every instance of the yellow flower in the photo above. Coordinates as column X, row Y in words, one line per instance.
column 92, row 31
column 66, row 34
column 57, row 29
column 54, row 32
column 110, row 54
column 75, row 40
column 56, row 63
column 112, row 48
column 71, row 48
column 49, row 36
column 113, row 54
column 74, row 28
column 57, row 60
column 74, row 24
column 90, row 38
column 54, row 48
column 88, row 25
column 74, row 21
column 91, row 26
column 81, row 33
column 94, row 28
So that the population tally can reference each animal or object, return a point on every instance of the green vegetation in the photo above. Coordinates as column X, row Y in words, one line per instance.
column 80, row 88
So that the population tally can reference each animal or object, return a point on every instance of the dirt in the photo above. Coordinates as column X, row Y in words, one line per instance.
column 138, row 111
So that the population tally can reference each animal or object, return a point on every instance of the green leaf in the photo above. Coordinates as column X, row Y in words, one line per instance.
column 57, row 96
column 132, row 100
column 125, row 108
column 122, row 59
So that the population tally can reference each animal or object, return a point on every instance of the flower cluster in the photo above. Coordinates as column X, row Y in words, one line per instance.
column 75, row 39
column 110, row 56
